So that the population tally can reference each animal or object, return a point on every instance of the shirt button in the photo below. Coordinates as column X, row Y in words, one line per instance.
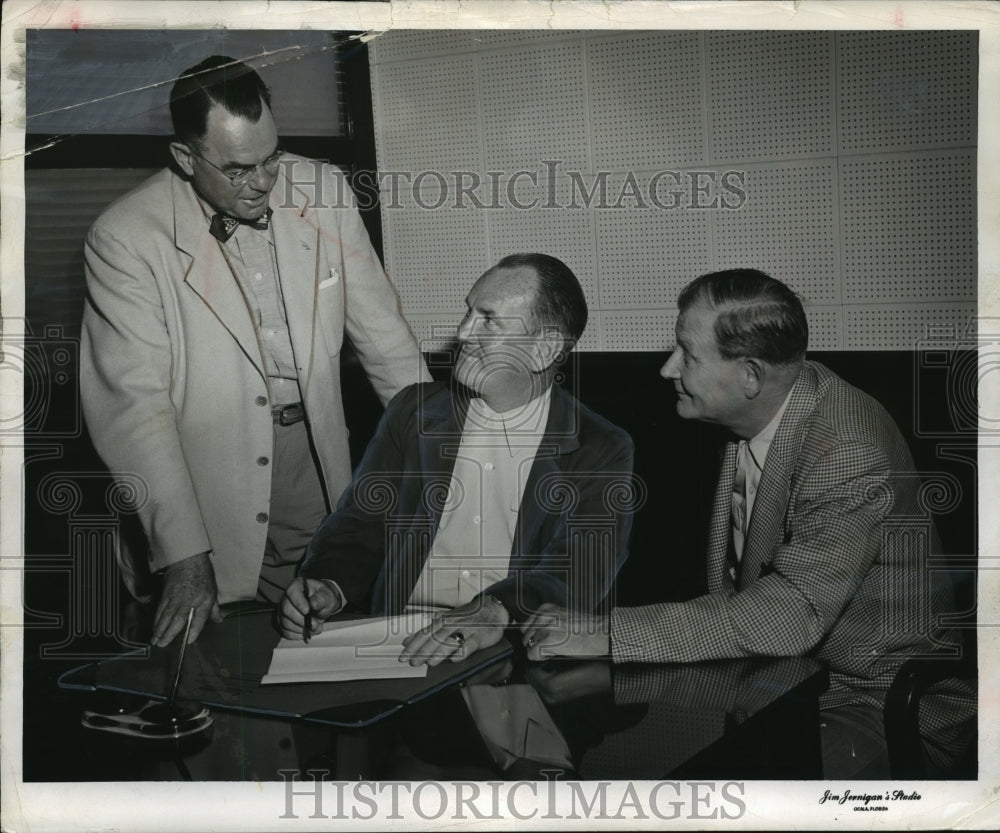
column 262, row 517
column 257, row 276
column 262, row 461
column 465, row 573
column 488, row 467
column 261, row 400
column 475, row 520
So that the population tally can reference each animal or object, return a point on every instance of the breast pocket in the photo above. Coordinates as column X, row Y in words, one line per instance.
column 330, row 302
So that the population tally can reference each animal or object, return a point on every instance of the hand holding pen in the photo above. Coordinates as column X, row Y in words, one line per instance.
column 308, row 603
column 307, row 626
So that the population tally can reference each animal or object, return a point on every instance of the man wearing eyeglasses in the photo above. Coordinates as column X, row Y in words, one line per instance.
column 220, row 291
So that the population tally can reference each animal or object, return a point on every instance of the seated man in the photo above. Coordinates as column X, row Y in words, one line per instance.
column 488, row 499
column 818, row 543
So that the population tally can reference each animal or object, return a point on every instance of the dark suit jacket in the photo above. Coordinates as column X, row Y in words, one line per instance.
column 835, row 560
column 573, row 522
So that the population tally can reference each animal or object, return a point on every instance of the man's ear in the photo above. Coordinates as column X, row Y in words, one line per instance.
column 546, row 348
column 754, row 371
column 182, row 156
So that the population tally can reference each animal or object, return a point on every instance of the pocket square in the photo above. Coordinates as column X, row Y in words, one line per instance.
column 330, row 281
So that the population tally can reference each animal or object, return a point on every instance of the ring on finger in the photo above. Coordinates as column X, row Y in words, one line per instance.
column 459, row 638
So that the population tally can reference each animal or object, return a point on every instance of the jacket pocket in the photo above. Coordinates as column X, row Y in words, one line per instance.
column 330, row 302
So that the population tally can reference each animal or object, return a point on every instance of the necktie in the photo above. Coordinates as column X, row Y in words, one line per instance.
column 223, row 226
column 739, row 502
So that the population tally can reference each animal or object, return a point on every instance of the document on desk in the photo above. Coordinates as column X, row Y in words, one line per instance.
column 358, row 649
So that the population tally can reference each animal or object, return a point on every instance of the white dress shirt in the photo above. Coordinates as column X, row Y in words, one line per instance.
column 471, row 550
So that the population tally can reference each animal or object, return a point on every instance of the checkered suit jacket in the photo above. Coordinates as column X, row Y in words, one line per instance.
column 834, row 564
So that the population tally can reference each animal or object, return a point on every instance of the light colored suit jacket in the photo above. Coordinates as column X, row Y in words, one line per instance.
column 834, row 564
column 172, row 376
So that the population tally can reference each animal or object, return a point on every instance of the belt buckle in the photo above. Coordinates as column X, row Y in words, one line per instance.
column 289, row 414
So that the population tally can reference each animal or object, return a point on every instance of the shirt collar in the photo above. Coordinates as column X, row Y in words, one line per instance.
column 529, row 418
column 760, row 444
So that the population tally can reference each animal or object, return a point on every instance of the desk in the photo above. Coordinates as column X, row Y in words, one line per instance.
column 742, row 719
column 735, row 719
column 258, row 730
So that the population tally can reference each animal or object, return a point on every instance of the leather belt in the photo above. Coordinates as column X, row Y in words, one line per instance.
column 288, row 414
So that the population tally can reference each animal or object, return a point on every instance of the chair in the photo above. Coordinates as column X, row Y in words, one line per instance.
column 907, row 760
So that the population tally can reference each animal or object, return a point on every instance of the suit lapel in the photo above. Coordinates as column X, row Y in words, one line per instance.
column 720, row 527
column 560, row 438
column 766, row 530
column 210, row 274
column 439, row 433
column 767, row 520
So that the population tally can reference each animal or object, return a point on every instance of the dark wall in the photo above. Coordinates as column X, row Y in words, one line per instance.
column 932, row 400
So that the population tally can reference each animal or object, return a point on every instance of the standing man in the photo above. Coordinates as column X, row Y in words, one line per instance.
column 817, row 544
column 486, row 500
column 219, row 293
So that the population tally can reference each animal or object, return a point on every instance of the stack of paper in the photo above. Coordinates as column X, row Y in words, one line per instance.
column 360, row 649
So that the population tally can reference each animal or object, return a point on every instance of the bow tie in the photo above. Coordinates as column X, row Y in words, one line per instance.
column 223, row 225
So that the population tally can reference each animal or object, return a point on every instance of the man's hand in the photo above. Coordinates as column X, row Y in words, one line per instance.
column 323, row 601
column 187, row 584
column 457, row 634
column 553, row 631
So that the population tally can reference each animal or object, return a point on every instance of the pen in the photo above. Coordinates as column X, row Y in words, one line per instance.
column 307, row 632
column 180, row 658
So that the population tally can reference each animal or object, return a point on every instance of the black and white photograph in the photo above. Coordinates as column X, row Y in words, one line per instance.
column 574, row 414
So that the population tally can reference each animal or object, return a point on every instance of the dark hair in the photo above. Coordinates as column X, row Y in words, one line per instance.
column 216, row 80
column 559, row 298
column 758, row 316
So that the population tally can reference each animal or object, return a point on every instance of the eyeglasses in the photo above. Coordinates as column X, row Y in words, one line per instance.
column 241, row 177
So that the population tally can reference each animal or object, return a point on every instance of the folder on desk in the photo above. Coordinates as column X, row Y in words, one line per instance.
column 224, row 667
column 361, row 649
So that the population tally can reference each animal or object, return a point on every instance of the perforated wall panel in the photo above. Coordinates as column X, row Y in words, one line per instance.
column 646, row 257
column 909, row 227
column 635, row 330
column 494, row 38
column 786, row 226
column 563, row 232
column 639, row 329
column 428, row 116
column 896, row 93
column 435, row 257
column 898, row 327
column 534, row 107
column 825, row 327
column 646, row 100
column 842, row 163
column 770, row 94
column 404, row 45
column 399, row 45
